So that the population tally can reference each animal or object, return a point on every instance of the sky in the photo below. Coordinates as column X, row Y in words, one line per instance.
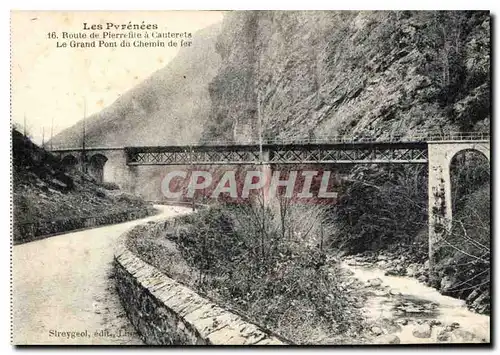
column 52, row 85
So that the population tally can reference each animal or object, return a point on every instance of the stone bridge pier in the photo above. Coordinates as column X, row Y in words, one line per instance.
column 105, row 165
column 440, row 155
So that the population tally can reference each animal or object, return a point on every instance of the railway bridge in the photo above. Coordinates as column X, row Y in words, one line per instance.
column 435, row 150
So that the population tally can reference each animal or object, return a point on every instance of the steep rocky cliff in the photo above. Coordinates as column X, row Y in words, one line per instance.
column 377, row 74
column 374, row 73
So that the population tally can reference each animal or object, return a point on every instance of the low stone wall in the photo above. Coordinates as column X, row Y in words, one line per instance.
column 28, row 232
column 164, row 312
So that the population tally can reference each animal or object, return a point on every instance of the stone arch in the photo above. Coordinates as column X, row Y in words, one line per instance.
column 483, row 151
column 440, row 155
column 96, row 166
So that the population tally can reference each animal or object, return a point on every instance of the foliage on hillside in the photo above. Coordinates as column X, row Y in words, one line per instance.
column 380, row 207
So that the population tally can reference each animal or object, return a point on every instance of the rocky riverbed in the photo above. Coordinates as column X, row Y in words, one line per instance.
column 403, row 309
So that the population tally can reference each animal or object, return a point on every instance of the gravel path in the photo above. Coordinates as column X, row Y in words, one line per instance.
column 62, row 292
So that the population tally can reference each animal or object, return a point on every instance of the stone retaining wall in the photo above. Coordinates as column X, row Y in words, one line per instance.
column 164, row 312
column 27, row 232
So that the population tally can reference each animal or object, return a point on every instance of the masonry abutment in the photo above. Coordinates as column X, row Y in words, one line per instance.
column 440, row 155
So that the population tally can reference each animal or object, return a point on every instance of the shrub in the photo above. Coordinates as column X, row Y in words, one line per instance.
column 268, row 262
column 109, row 185
column 464, row 255
column 379, row 207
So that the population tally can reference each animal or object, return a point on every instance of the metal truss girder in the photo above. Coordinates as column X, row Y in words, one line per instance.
column 194, row 157
column 371, row 153
column 362, row 155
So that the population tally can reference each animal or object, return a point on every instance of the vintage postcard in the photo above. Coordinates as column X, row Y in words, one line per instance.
column 251, row 177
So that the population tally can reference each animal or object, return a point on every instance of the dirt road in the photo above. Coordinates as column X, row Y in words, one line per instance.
column 62, row 292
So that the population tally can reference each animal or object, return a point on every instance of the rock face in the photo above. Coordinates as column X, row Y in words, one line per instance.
column 380, row 73
column 374, row 73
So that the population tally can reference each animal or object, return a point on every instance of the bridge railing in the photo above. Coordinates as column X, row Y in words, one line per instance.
column 58, row 147
column 456, row 136
column 417, row 136
column 332, row 139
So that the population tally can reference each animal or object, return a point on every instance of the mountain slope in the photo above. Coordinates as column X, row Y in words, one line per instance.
column 168, row 107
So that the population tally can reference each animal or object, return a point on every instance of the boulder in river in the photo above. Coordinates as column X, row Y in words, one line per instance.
column 382, row 264
column 444, row 335
column 395, row 292
column 472, row 296
column 447, row 283
column 387, row 339
column 380, row 293
column 434, row 322
column 396, row 270
column 348, row 272
column 422, row 331
column 463, row 336
column 375, row 282
column 411, row 270
column 452, row 326
column 402, row 321
column 423, row 279
column 358, row 304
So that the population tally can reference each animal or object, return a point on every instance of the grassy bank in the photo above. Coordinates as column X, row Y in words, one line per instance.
column 268, row 264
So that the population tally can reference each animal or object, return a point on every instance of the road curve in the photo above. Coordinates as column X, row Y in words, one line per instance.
column 62, row 292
